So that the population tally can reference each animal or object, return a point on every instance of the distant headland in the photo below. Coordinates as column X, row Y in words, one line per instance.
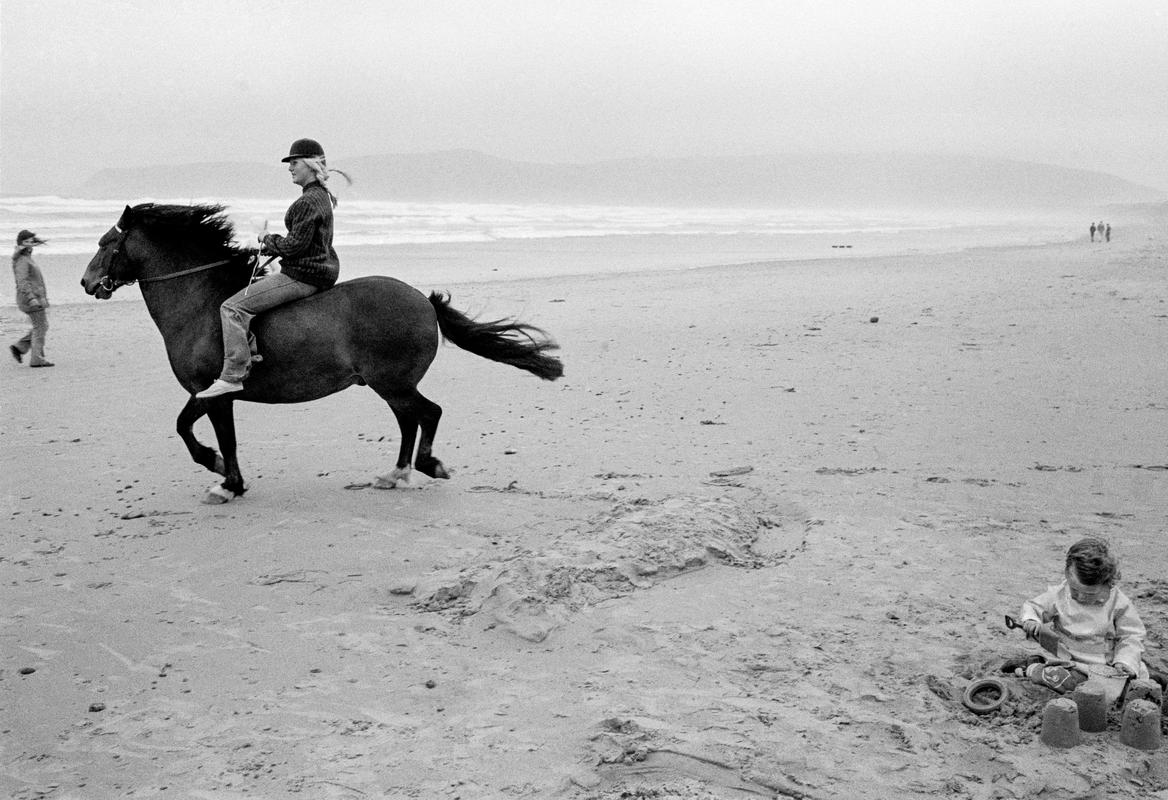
column 776, row 181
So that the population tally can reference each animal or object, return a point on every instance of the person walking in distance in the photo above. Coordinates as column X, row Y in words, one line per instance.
column 32, row 299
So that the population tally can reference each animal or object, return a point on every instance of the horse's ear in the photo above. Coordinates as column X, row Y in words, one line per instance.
column 124, row 220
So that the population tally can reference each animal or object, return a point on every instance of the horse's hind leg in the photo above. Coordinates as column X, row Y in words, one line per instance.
column 428, row 419
column 412, row 411
column 407, row 423
column 202, row 455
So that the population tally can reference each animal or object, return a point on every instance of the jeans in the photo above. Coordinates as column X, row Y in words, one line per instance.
column 34, row 340
column 238, row 310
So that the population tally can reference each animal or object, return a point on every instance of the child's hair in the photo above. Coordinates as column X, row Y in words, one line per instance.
column 1093, row 562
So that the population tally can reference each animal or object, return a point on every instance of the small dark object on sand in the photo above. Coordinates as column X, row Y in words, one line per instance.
column 1022, row 662
column 985, row 696
column 732, row 471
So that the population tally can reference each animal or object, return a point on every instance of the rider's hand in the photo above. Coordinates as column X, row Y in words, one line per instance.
column 1031, row 627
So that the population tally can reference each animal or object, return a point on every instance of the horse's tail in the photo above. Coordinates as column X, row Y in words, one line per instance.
column 503, row 340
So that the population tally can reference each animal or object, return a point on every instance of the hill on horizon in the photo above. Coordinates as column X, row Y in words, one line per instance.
column 777, row 181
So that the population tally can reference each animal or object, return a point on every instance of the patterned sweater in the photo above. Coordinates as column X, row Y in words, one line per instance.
column 307, row 253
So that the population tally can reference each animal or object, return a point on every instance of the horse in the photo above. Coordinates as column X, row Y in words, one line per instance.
column 371, row 331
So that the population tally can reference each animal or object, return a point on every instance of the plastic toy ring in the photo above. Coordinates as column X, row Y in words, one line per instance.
column 985, row 696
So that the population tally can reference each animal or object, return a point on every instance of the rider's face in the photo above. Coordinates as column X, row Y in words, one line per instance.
column 302, row 175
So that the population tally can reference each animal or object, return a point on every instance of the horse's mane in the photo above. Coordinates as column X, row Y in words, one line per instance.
column 203, row 228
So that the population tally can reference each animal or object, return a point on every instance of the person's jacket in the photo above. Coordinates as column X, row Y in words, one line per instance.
column 1103, row 634
column 30, row 284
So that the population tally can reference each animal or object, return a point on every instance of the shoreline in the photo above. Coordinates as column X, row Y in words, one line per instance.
column 579, row 257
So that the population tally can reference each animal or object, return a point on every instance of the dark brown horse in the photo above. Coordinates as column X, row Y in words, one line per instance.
column 376, row 332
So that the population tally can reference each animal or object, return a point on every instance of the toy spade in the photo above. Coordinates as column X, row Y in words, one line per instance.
column 1046, row 637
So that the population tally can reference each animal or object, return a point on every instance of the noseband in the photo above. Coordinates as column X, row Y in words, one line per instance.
column 106, row 282
column 111, row 284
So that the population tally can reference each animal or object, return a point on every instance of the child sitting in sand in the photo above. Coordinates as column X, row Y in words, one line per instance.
column 1098, row 628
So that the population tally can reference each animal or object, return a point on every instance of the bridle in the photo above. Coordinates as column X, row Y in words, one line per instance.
column 111, row 284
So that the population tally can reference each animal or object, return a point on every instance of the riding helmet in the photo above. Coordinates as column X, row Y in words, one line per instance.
column 304, row 148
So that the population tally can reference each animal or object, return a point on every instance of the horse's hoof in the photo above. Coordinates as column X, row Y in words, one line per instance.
column 217, row 496
column 434, row 468
column 398, row 479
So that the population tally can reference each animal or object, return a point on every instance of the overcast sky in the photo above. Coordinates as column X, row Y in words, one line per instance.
column 87, row 84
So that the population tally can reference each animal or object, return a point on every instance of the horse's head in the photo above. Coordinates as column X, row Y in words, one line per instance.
column 113, row 264
column 154, row 242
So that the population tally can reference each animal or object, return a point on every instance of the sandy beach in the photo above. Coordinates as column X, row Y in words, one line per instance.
column 755, row 543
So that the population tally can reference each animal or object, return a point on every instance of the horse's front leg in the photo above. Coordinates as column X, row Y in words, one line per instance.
column 221, row 413
column 202, row 455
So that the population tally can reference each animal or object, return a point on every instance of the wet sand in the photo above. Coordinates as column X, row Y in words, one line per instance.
column 755, row 543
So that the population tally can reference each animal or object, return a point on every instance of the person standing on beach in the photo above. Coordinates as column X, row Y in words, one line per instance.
column 308, row 264
column 1092, row 231
column 1107, row 232
column 32, row 299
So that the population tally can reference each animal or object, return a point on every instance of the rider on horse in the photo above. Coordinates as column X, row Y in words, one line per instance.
column 308, row 264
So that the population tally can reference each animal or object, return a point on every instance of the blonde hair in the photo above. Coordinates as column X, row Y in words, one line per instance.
column 320, row 170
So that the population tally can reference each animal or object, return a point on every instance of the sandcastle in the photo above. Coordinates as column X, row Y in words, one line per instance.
column 1141, row 725
column 1060, row 723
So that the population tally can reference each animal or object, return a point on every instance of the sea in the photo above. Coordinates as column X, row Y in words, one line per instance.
column 431, row 245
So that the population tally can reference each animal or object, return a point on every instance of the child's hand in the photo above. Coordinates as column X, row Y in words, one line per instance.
column 1031, row 627
column 1119, row 666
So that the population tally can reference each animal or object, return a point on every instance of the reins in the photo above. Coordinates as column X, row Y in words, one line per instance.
column 190, row 271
